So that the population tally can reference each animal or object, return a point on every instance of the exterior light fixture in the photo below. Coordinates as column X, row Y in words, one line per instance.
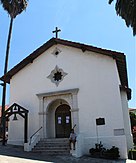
column 15, row 117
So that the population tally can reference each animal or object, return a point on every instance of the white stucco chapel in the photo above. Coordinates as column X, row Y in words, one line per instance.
column 65, row 84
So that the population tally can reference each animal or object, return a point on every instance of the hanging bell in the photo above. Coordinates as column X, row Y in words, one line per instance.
column 15, row 117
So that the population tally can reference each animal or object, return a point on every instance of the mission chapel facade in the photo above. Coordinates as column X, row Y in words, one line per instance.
column 65, row 84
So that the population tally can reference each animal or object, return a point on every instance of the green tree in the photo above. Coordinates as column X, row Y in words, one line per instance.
column 133, row 124
column 13, row 8
column 132, row 119
column 127, row 10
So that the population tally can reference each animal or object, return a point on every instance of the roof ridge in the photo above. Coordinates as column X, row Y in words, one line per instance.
column 118, row 56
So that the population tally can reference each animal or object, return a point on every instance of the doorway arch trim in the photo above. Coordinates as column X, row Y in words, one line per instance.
column 45, row 99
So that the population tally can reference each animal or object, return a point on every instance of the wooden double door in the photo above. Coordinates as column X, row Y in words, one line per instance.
column 63, row 121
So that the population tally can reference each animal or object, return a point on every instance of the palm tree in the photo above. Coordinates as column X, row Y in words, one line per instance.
column 127, row 10
column 13, row 8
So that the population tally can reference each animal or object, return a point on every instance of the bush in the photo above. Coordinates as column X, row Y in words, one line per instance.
column 101, row 152
column 132, row 154
column 112, row 153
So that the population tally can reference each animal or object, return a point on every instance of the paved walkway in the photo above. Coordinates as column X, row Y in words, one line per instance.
column 15, row 154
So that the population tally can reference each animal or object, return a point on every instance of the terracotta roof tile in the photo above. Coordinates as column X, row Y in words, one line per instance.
column 6, row 107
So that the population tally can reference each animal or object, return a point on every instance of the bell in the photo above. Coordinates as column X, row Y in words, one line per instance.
column 15, row 117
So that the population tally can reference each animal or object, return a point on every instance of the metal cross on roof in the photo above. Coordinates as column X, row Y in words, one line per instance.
column 56, row 31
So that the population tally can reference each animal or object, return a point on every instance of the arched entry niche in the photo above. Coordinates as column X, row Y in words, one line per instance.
column 58, row 119
column 49, row 102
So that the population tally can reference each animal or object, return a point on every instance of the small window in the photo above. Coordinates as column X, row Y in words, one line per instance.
column 56, row 52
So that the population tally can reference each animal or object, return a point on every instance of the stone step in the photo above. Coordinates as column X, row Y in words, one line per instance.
column 48, row 152
column 57, row 142
column 51, row 151
column 54, row 140
column 53, row 146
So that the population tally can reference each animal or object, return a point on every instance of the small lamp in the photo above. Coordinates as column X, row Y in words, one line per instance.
column 15, row 117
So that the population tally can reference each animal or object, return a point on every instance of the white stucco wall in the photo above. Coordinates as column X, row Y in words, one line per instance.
column 126, row 117
column 96, row 77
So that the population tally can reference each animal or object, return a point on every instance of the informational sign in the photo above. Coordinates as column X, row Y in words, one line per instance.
column 118, row 132
column 100, row 121
column 67, row 119
column 59, row 120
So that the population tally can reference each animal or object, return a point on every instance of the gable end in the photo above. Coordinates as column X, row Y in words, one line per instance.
column 119, row 57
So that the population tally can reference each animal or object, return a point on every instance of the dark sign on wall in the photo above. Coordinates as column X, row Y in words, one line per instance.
column 100, row 121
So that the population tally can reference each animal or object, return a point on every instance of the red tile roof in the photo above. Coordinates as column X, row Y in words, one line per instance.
column 132, row 109
column 6, row 107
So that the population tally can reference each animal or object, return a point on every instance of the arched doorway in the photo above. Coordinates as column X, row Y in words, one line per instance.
column 62, row 121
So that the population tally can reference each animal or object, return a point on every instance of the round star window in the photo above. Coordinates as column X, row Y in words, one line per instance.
column 57, row 75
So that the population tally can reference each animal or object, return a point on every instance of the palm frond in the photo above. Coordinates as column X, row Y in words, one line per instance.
column 14, row 7
column 110, row 1
column 127, row 10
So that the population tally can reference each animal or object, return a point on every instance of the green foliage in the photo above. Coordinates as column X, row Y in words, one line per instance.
column 112, row 153
column 14, row 7
column 127, row 10
column 100, row 151
column 132, row 154
column 132, row 119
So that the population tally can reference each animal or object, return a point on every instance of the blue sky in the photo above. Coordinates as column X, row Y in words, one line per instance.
column 91, row 22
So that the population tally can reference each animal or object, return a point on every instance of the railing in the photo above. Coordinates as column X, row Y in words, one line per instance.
column 31, row 137
column 74, row 126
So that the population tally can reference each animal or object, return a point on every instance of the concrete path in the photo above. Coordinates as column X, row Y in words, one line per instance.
column 15, row 154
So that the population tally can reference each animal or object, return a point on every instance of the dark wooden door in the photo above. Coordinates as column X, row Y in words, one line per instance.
column 63, row 121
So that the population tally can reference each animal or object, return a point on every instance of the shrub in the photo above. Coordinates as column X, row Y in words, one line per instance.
column 101, row 152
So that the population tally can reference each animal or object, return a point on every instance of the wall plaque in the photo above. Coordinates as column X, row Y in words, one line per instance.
column 100, row 121
column 118, row 132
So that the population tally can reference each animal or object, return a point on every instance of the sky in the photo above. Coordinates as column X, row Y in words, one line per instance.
column 92, row 22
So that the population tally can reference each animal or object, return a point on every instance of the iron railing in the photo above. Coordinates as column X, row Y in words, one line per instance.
column 34, row 134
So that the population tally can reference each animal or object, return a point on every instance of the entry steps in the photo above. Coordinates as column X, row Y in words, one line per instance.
column 53, row 146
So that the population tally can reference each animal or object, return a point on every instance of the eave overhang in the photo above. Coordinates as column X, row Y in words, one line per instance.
column 119, row 58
